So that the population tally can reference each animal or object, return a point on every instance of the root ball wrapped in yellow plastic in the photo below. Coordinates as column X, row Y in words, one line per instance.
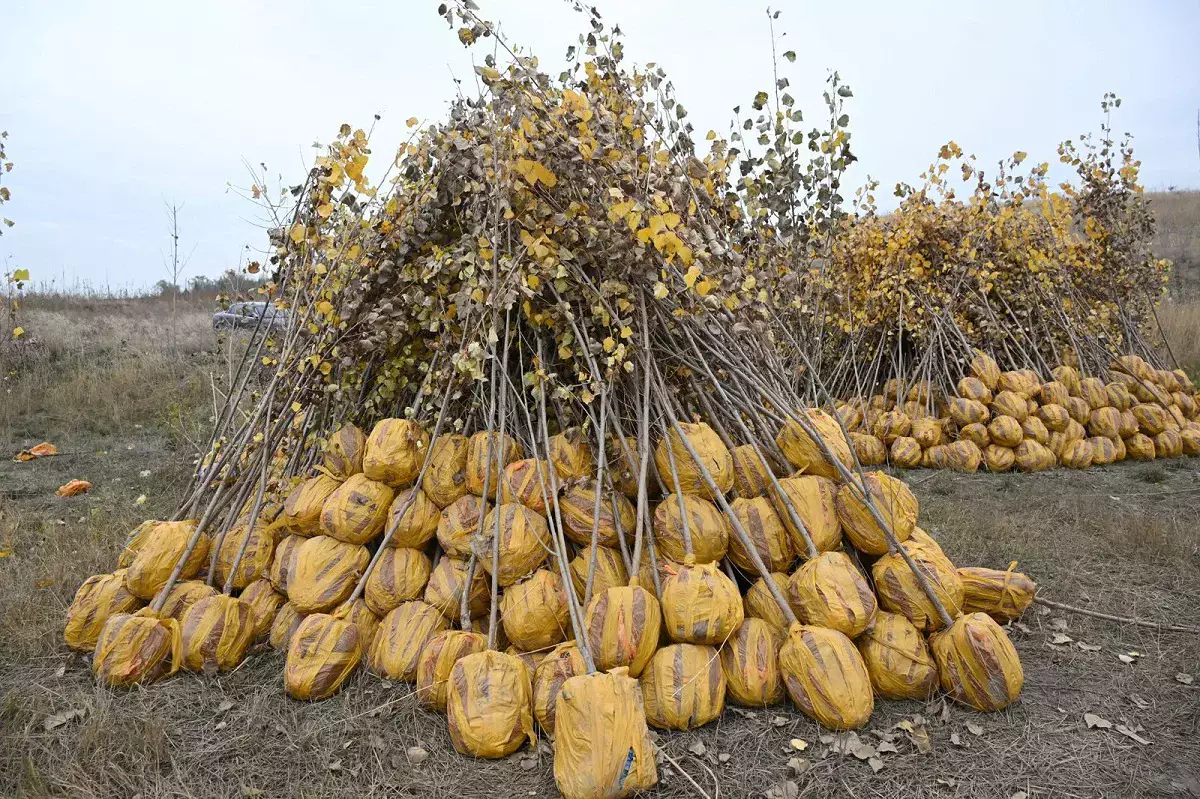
column 445, row 586
column 446, row 478
column 891, row 425
column 610, row 570
column 977, row 663
column 1036, row 429
column 323, row 653
column 287, row 620
column 564, row 662
column 100, row 596
column 260, row 540
column 134, row 541
column 527, row 481
column 683, row 687
column 283, row 563
column 617, row 516
column 1104, row 422
column 905, row 453
column 399, row 576
column 136, row 649
column 706, row 524
column 264, row 602
column 984, row 367
column 714, row 457
column 759, row 603
column 437, row 660
column 1003, row 595
column 766, row 532
column 602, row 746
column 535, row 612
column 489, row 705
column 402, row 636
column 1010, row 403
column 182, row 596
column 869, row 449
column 895, row 503
column 967, row 411
column 973, row 388
column 571, row 455
column 825, row 676
column 344, row 451
column 897, row 658
column 900, row 591
column 998, row 459
column 325, row 574
column 814, row 500
column 459, row 524
column 750, row 661
column 487, row 455
column 622, row 628
column 357, row 613
column 1168, row 444
column 750, row 477
column 301, row 513
column 522, row 538
column 1076, row 454
column 355, row 513
column 927, row 433
column 1139, row 447
column 806, row 453
column 418, row 524
column 830, row 591
column 217, row 632
column 164, row 546
column 1030, row 456
column 395, row 452
column 700, row 604
column 1005, row 431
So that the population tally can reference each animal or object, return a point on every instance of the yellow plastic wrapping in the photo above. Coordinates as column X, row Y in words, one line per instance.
column 400, row 575
column 459, row 524
column 302, row 509
column 523, row 543
column 683, row 687
column 905, row 453
column 134, row 541
column 759, row 602
column 564, row 662
column 1005, row 431
column 419, row 523
column 217, row 632
column 897, row 658
column 344, row 451
column 325, row 574
column 700, row 604
column 283, row 563
column 963, row 456
column 572, row 455
column 165, row 544
column 713, row 454
column 1068, row 376
column 1003, row 595
column 1030, row 456
column 977, row 664
column 706, row 524
column 483, row 449
column 976, row 433
column 489, row 705
column 623, row 625
column 998, row 459
column 446, row 478
column 851, row 414
column 1054, row 393
column 442, row 651
column 356, row 511
column 610, row 570
column 805, row 453
column 1119, row 396
column 322, row 655
column 900, row 591
column 1104, row 422
column 766, row 532
column 927, row 432
column 527, row 481
column 750, row 477
column 264, row 602
column 100, row 596
column 357, row 613
column 1010, row 403
column 1189, row 437
column 869, row 449
column 402, row 636
column 891, row 425
column 825, row 676
column 1139, row 447
column 1054, row 417
column 750, row 662
column 257, row 558
column 984, row 367
column 284, row 626
column 1076, row 454
column 973, row 388
column 182, row 596
column 895, row 503
column 531, row 659
column 1035, row 428
column 137, row 648
column 1168, row 444
column 395, row 452
column 830, row 591
column 602, row 747
column 1104, row 450
column 444, row 589
column 968, row 411
column 535, row 612
column 618, row 516
column 625, row 473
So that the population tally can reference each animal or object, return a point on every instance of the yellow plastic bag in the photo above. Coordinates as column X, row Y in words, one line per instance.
column 984, row 367
column 535, row 612
column 444, row 589
column 564, row 662
column 257, row 558
column 825, row 676
column 322, row 655
column 356, row 511
column 815, row 501
column 759, row 603
column 137, row 648
column 523, row 543
column 283, row 563
column 531, row 659
column 344, row 452
column 301, row 513
column 487, row 455
column 459, row 524
column 610, row 570
column 625, row 471
column 623, row 625
column 750, row 477
column 713, row 454
column 182, row 596
column 399, row 576
column 325, row 574
column 572, row 455
column 357, row 613
column 264, row 602
column 700, row 605
column 897, row 658
column 134, row 541
column 766, row 532
column 977, row 664
column 287, row 620
column 998, row 459
column 100, row 596
column 705, row 523
column 402, row 636
column 395, row 452
column 602, row 747
column 683, row 687
column 1003, row 595
column 445, row 479
column 750, row 662
column 806, row 453
column 905, row 453
column 437, row 660
column 217, row 631
column 900, row 591
column 617, row 516
column 869, row 449
column 419, row 523
column 489, row 705
column 830, row 591
column 895, row 503
column 527, row 481
column 165, row 544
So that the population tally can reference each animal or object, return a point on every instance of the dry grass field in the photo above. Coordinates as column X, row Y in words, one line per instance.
column 124, row 394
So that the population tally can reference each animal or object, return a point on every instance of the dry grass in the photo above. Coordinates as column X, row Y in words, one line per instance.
column 1178, row 215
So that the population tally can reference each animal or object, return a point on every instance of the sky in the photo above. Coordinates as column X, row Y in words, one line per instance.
column 116, row 108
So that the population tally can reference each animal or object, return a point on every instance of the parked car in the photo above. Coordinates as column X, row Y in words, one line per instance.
column 246, row 315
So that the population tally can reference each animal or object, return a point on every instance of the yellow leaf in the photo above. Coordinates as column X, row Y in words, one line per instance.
column 693, row 273
column 626, row 331
column 325, row 367
column 609, row 344
column 296, row 406
column 297, row 233
column 660, row 290
column 325, row 307
column 324, row 210
column 412, row 122
column 20, row 274
column 18, row 331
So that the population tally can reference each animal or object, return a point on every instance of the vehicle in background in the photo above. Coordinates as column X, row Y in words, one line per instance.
column 246, row 315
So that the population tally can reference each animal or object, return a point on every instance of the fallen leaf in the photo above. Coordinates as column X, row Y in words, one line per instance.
column 1058, row 623
column 45, row 582
column 863, row 751
column 335, row 765
column 1128, row 733
column 225, row 706
column 417, row 755
column 59, row 719
column 1093, row 721
column 144, row 473
column 1088, row 647
column 61, row 670
column 798, row 766
column 74, row 487
column 779, row 721
column 886, row 747
column 698, row 749
column 974, row 728
column 529, row 763
column 250, row 791
column 799, row 744
column 220, row 725
column 1139, row 701
column 875, row 763
column 723, row 757
column 376, row 742
column 949, row 782
column 1061, row 638
column 1186, row 679
column 956, row 740
column 920, row 739
column 1019, row 795
column 141, row 500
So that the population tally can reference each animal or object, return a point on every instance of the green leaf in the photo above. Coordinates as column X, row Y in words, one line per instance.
column 790, row 55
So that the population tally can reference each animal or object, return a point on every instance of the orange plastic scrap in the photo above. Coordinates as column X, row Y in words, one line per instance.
column 42, row 450
column 74, row 487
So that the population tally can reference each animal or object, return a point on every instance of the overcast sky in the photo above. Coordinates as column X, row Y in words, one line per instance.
column 112, row 107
